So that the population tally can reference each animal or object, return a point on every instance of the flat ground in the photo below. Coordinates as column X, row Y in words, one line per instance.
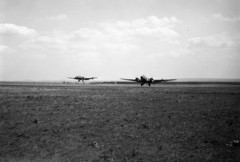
column 119, row 123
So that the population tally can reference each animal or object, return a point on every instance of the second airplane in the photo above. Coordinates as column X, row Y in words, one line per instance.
column 143, row 79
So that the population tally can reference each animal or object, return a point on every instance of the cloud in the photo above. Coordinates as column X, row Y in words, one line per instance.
column 180, row 53
column 228, row 19
column 118, row 37
column 16, row 30
column 48, row 39
column 151, row 26
column 150, row 21
column 86, row 33
column 3, row 48
column 84, row 39
column 219, row 40
column 174, row 42
column 58, row 43
column 120, row 46
column 58, row 17
column 81, row 40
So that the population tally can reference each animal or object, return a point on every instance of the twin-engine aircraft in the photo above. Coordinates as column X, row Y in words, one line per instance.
column 81, row 78
column 143, row 79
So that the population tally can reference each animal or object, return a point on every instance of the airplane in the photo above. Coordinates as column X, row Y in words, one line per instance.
column 143, row 79
column 81, row 78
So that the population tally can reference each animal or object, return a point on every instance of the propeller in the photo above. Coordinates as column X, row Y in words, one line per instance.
column 137, row 78
column 152, row 80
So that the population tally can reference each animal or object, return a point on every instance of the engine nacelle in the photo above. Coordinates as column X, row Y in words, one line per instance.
column 137, row 79
column 151, row 80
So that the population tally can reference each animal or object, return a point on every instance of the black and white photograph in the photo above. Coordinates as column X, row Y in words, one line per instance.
column 119, row 80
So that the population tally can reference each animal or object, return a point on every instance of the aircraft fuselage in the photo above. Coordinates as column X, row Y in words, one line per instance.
column 81, row 78
column 143, row 79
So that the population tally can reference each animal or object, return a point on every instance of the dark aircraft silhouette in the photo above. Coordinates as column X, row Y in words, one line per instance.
column 143, row 79
column 81, row 78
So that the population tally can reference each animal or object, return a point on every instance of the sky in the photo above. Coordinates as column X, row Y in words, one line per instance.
column 112, row 39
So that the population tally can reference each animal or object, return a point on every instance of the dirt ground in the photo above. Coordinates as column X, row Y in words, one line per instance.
column 119, row 123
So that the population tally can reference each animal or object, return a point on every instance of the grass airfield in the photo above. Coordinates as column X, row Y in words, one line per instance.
column 95, row 123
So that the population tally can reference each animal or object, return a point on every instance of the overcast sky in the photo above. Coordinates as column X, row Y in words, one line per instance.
column 111, row 39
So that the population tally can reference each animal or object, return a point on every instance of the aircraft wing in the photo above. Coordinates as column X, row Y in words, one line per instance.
column 71, row 78
column 90, row 78
column 129, row 79
column 163, row 80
